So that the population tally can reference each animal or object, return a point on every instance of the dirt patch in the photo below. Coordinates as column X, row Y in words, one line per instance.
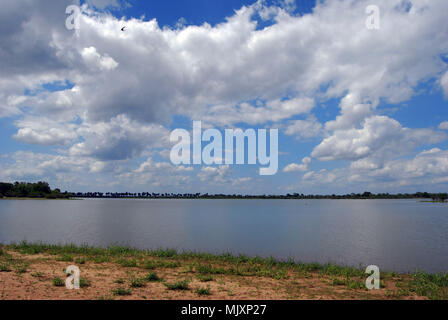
column 32, row 277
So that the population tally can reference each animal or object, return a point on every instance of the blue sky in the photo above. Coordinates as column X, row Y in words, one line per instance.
column 92, row 109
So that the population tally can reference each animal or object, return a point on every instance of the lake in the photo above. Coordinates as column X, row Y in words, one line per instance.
column 399, row 235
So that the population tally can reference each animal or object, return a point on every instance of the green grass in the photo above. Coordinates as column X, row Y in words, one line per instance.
column 21, row 269
column 37, row 274
column 138, row 282
column 58, row 282
column 5, row 267
column 205, row 278
column 84, row 283
column 180, row 285
column 433, row 286
column 80, row 260
column 127, row 263
column 203, row 291
column 122, row 292
column 156, row 264
column 152, row 277
column 119, row 281
column 65, row 258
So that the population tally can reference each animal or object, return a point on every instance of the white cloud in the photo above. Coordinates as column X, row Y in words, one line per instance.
column 380, row 137
column 43, row 131
column 119, row 139
column 444, row 83
column 294, row 167
column 308, row 128
column 94, row 60
column 214, row 174
column 129, row 85
column 443, row 125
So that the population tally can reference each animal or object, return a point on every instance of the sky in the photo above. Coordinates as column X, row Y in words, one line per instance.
column 357, row 108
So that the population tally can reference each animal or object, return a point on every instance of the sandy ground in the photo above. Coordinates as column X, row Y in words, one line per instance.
column 36, row 283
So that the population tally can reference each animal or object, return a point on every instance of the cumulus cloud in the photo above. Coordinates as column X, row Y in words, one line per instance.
column 426, row 170
column 128, row 86
column 119, row 139
column 294, row 167
column 443, row 125
column 308, row 128
column 444, row 83
column 43, row 131
column 214, row 174
column 379, row 137
column 94, row 60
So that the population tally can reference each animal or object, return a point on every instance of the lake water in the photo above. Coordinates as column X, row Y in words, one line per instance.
column 400, row 235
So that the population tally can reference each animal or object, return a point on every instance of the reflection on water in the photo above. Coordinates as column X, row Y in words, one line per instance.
column 401, row 235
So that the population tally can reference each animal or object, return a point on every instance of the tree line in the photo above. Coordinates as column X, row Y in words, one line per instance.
column 37, row 190
column 366, row 195
column 42, row 189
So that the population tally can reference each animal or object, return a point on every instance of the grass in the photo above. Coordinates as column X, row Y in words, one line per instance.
column 433, row 286
column 180, row 285
column 153, row 277
column 156, row 264
column 21, row 269
column 84, row 283
column 127, row 263
column 205, row 278
column 122, row 292
column 5, row 267
column 138, row 282
column 37, row 274
column 203, row 291
column 65, row 258
column 80, row 260
column 204, row 266
column 58, row 282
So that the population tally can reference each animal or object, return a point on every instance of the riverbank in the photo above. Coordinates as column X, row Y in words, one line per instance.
column 36, row 271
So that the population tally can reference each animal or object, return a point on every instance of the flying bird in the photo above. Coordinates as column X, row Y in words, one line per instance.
column 122, row 29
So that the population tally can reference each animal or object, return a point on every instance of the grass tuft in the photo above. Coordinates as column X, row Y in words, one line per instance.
column 138, row 282
column 5, row 267
column 122, row 292
column 180, row 285
column 84, row 283
column 205, row 278
column 127, row 263
column 203, row 291
column 152, row 277
column 58, row 282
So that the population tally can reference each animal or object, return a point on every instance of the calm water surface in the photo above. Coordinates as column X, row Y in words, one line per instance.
column 400, row 235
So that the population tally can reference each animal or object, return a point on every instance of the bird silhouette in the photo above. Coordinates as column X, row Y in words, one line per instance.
column 122, row 29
